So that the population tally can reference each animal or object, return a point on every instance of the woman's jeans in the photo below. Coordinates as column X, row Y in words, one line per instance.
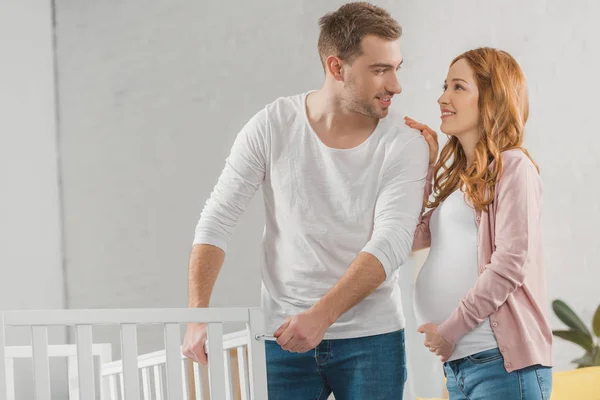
column 482, row 376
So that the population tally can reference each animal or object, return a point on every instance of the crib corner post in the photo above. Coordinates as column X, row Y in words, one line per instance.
column 256, row 354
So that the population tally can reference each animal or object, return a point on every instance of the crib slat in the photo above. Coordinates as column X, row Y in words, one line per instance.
column 130, row 369
column 216, row 364
column 243, row 371
column 228, row 378
column 122, row 384
column 146, row 384
column 112, row 387
column 158, row 390
column 41, row 366
column 173, row 350
column 184, row 385
column 10, row 379
column 72, row 379
column 257, row 364
column 3, row 365
column 198, row 384
column 105, row 357
column 85, row 362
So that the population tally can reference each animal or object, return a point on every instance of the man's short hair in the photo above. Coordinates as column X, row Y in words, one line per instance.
column 343, row 30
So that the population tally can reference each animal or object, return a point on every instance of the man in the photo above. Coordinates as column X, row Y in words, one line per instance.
column 343, row 187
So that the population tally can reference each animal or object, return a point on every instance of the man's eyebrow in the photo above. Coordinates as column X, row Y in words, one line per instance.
column 384, row 65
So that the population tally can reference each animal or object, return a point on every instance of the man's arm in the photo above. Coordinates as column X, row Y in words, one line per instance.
column 364, row 275
column 205, row 263
column 242, row 175
column 244, row 171
column 396, row 215
column 305, row 331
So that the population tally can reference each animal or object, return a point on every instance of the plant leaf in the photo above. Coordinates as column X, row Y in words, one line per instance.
column 576, row 337
column 590, row 359
column 596, row 358
column 585, row 361
column 596, row 322
column 566, row 315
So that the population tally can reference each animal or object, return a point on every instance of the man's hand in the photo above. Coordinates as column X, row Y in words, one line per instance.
column 193, row 343
column 435, row 342
column 302, row 332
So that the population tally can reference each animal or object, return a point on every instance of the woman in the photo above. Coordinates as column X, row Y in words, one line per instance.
column 481, row 293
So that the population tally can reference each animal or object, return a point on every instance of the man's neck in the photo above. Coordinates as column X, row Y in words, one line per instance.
column 335, row 125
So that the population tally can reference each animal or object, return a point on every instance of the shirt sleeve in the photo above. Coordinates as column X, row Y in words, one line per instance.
column 422, row 238
column 244, row 171
column 398, row 206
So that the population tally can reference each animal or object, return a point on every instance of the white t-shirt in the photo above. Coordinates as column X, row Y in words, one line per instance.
column 450, row 271
column 323, row 206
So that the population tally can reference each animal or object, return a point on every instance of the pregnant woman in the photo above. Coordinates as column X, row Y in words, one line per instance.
column 481, row 293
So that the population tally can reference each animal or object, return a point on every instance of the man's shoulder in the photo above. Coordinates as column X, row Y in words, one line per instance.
column 286, row 104
column 396, row 133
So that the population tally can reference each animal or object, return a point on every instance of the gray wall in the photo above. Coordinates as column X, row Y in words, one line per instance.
column 30, row 230
column 152, row 94
column 30, row 238
column 554, row 43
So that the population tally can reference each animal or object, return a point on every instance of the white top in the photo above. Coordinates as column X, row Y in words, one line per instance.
column 450, row 271
column 323, row 207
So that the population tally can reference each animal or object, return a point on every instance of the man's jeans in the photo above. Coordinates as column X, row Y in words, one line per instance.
column 367, row 368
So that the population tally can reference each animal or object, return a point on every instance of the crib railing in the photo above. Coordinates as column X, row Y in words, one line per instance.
column 62, row 351
column 151, row 366
column 127, row 320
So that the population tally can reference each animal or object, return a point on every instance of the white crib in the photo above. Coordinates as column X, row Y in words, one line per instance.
column 151, row 366
column 177, row 377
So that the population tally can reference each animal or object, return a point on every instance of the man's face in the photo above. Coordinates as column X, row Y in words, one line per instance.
column 371, row 80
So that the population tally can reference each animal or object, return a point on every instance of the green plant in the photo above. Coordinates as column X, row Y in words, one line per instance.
column 579, row 333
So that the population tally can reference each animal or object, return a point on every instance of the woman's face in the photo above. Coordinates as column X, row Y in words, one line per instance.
column 459, row 102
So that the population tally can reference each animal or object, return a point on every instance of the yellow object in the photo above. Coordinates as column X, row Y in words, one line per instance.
column 576, row 384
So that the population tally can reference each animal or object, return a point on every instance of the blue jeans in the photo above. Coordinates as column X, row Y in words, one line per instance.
column 372, row 368
column 482, row 376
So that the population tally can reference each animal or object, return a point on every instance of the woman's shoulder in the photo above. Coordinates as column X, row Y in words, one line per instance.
column 518, row 170
column 516, row 159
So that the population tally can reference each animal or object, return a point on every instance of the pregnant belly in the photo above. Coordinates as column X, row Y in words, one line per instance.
column 440, row 286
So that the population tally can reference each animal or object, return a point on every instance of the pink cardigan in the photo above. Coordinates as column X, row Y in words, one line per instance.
column 511, row 287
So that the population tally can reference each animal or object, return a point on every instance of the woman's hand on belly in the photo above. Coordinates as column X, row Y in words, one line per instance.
column 435, row 342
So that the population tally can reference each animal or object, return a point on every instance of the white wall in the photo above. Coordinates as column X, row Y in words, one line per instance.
column 153, row 94
column 30, row 233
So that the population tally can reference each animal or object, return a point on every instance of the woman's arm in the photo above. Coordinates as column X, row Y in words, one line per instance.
column 422, row 239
